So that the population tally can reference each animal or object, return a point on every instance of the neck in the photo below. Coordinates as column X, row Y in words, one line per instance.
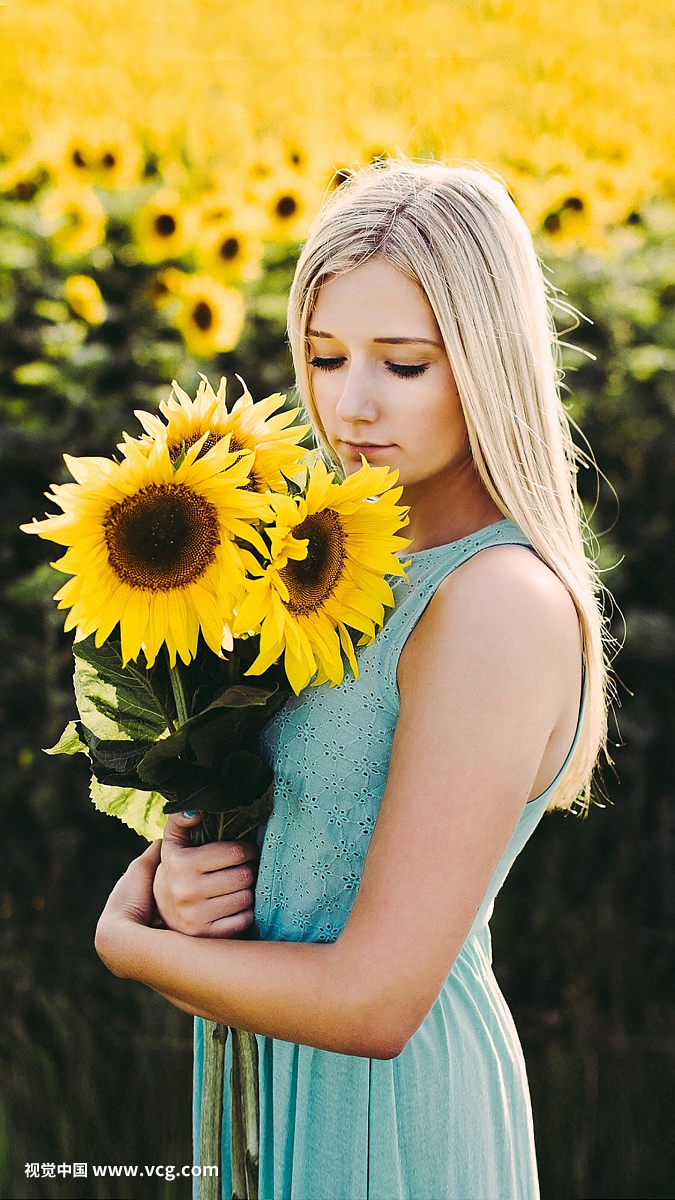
column 447, row 507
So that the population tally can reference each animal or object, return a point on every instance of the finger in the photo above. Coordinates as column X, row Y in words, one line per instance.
column 210, row 912
column 132, row 895
column 227, row 882
column 188, row 890
column 227, row 927
column 177, row 828
column 226, row 906
column 148, row 861
column 216, row 856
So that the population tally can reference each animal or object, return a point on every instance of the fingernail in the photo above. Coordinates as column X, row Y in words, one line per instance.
column 190, row 815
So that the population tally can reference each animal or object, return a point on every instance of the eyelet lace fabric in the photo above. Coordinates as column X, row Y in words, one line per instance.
column 330, row 749
column 449, row 1118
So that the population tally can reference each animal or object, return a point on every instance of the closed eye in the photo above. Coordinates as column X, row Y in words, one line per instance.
column 327, row 364
column 402, row 370
column 406, row 370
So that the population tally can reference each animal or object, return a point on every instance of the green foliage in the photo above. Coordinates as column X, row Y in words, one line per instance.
column 211, row 763
column 127, row 729
column 143, row 811
column 583, row 941
column 133, row 700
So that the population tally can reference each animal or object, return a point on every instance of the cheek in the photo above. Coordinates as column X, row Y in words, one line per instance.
column 326, row 396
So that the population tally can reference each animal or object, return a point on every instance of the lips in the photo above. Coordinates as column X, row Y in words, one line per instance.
column 364, row 447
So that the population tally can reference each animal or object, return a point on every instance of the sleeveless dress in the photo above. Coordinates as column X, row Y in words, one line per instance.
column 449, row 1118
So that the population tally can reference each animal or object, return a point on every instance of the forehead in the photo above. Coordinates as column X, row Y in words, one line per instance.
column 374, row 296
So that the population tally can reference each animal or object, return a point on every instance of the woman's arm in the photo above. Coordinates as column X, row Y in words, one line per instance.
column 480, row 695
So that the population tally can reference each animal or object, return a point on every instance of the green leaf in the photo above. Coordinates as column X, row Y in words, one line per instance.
column 142, row 811
column 117, row 702
column 178, row 462
column 116, row 755
column 161, row 752
column 70, row 741
column 240, row 821
column 230, row 724
column 243, row 694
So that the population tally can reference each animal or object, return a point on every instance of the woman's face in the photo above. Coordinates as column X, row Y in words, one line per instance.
column 380, row 376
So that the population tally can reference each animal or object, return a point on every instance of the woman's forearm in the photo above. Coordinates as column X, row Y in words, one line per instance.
column 294, row 991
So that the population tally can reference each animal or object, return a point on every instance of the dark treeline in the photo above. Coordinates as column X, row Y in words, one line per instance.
column 96, row 1069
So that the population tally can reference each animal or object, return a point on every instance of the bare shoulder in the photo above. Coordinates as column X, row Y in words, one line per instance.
column 505, row 613
column 514, row 578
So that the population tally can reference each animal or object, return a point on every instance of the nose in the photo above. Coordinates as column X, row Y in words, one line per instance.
column 357, row 401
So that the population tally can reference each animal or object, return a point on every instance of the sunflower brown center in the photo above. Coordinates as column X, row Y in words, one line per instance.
column 175, row 448
column 165, row 225
column 286, row 207
column 311, row 582
column 229, row 249
column 163, row 537
column 202, row 315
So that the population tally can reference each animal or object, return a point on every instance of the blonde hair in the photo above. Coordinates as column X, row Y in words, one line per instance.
column 456, row 233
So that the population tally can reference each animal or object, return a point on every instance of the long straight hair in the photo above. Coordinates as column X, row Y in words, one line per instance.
column 456, row 233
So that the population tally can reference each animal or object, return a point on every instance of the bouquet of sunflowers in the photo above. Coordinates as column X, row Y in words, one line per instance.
column 215, row 539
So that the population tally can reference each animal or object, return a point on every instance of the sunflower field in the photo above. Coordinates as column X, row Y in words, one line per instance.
column 159, row 166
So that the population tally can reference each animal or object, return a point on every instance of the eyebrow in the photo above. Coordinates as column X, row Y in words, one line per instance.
column 386, row 341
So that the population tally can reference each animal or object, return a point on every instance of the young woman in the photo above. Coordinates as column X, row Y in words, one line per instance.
column 389, row 1063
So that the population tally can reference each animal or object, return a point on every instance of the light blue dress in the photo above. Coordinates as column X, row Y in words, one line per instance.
column 450, row 1117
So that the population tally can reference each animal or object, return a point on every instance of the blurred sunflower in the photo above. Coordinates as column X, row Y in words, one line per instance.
column 249, row 426
column 151, row 546
column 229, row 243
column 287, row 204
column 165, row 287
column 219, row 207
column 265, row 162
column 283, row 196
column 74, row 219
column 568, row 216
column 22, row 178
column 83, row 295
column 105, row 156
column 329, row 553
column 233, row 253
column 164, row 227
column 210, row 316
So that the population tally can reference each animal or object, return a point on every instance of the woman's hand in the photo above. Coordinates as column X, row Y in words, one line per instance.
column 130, row 904
column 204, row 891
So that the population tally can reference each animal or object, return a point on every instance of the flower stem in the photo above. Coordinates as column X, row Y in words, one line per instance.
column 245, row 1115
column 178, row 695
column 215, row 1036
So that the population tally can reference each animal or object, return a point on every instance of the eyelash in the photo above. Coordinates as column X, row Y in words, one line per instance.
column 402, row 370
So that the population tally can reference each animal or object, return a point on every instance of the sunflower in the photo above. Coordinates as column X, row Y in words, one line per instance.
column 283, row 197
column 210, row 316
column 105, row 157
column 164, row 227
column 287, row 204
column 329, row 553
column 164, row 289
column 151, row 546
column 74, row 219
column 22, row 179
column 84, row 297
column 249, row 426
column 233, row 251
